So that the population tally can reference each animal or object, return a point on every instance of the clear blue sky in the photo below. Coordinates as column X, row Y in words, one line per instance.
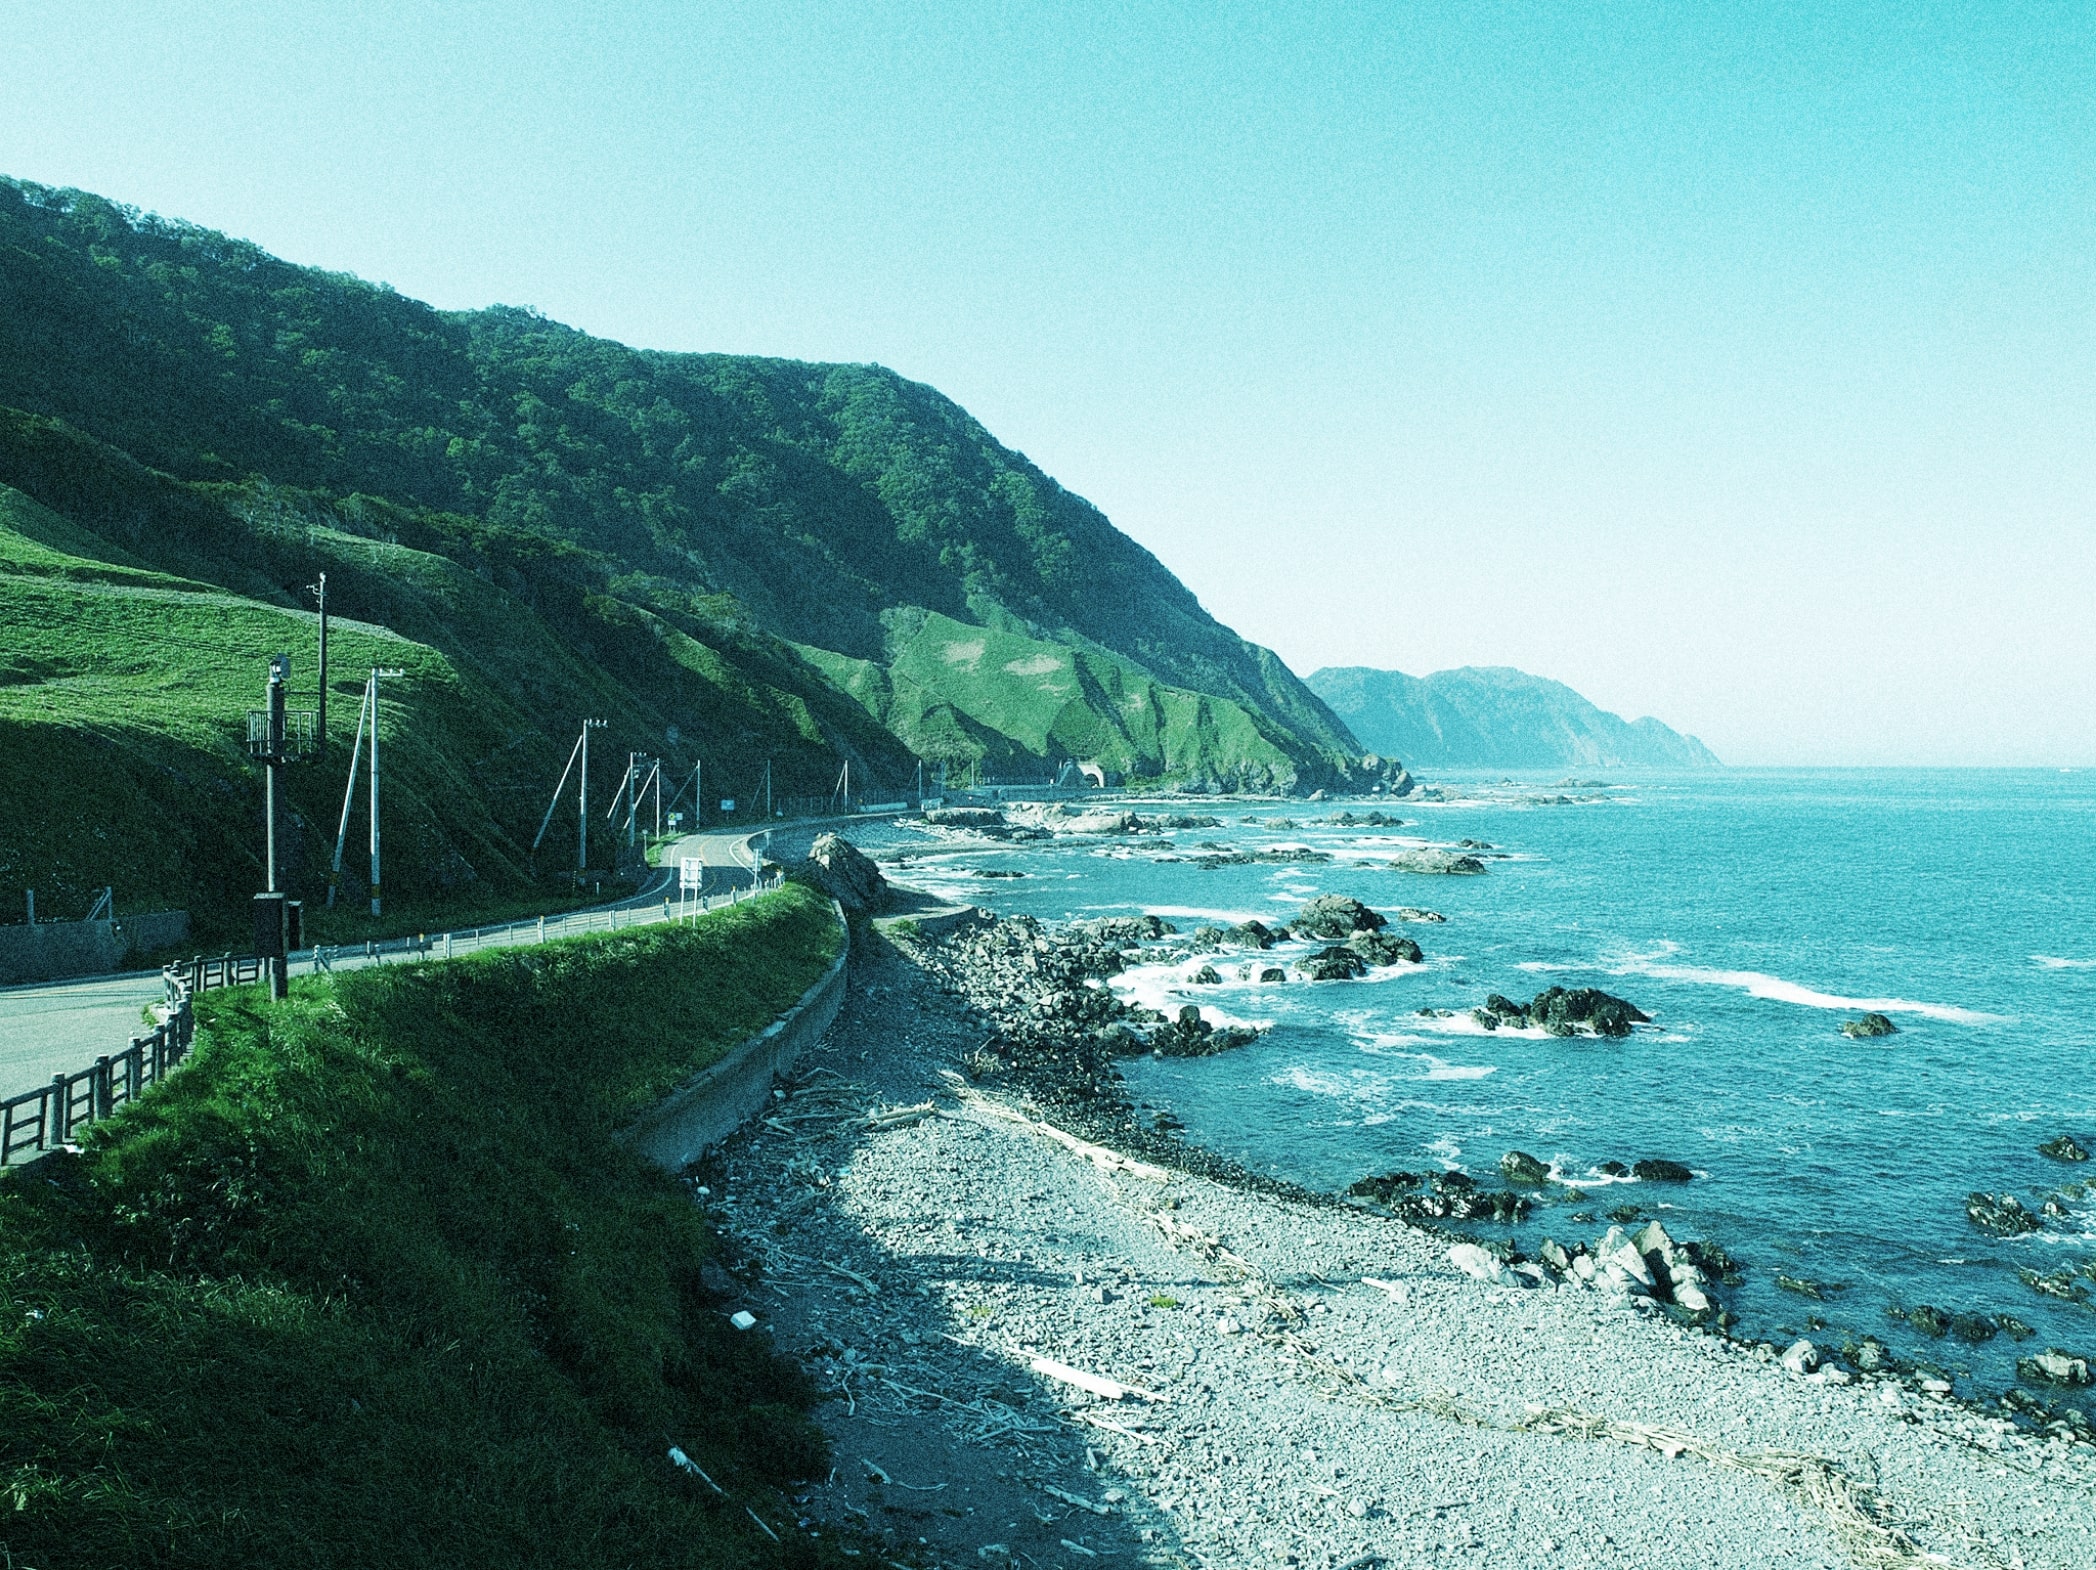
column 1732, row 363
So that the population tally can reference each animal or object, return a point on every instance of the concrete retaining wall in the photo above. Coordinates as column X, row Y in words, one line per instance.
column 53, row 950
column 718, row 1100
column 156, row 929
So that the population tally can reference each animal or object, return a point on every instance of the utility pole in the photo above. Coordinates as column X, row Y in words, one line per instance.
column 582, row 816
column 374, row 783
column 767, row 790
column 632, row 764
column 579, row 750
column 273, row 761
column 356, row 756
column 273, row 742
column 373, row 689
column 320, row 730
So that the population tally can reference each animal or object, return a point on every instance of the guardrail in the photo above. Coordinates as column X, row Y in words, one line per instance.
column 45, row 1118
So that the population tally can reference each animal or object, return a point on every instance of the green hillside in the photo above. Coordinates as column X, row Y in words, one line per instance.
column 124, row 688
column 959, row 692
column 730, row 559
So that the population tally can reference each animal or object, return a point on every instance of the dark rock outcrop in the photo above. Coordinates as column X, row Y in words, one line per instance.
column 982, row 820
column 1385, row 948
column 2064, row 1148
column 844, row 872
column 1518, row 1166
column 1441, row 862
column 1655, row 1170
column 1337, row 963
column 1869, row 1026
column 1563, row 1012
column 1190, row 1036
column 2001, row 1215
column 1335, row 916
column 1442, row 1196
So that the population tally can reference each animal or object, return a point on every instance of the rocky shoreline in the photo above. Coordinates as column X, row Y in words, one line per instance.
column 958, row 1211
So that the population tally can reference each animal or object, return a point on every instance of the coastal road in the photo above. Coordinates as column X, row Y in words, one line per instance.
column 61, row 1027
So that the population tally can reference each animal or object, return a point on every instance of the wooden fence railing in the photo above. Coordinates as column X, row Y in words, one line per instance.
column 46, row 1117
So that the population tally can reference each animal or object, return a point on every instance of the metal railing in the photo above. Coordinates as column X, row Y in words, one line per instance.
column 46, row 1118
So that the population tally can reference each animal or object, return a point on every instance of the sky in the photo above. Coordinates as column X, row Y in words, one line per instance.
column 1731, row 364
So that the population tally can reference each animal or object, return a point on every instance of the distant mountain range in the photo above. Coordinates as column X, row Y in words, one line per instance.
column 1492, row 716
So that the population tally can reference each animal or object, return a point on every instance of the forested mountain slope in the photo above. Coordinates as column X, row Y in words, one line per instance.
column 818, row 497
column 1496, row 717
column 735, row 559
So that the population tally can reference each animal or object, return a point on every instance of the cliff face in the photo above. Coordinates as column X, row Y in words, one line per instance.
column 826, row 506
column 1496, row 717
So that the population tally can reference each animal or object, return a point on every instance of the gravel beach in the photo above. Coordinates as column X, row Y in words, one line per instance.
column 1039, row 1350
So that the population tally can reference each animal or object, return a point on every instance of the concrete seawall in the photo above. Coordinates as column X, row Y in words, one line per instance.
column 720, row 1098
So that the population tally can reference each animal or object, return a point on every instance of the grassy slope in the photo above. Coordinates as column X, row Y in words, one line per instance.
column 369, row 1284
column 123, row 691
column 954, row 692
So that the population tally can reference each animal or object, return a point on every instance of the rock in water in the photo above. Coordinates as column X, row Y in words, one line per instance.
column 983, row 820
column 2064, row 1148
column 2054, row 1367
column 1446, row 862
column 1561, row 1012
column 2003, row 1215
column 1519, row 1166
column 1335, row 916
column 1564, row 1012
column 1869, row 1025
column 1337, row 963
column 844, row 872
column 1654, row 1170
column 1385, row 948
column 1386, row 1188
column 1190, row 1036
column 1972, row 1328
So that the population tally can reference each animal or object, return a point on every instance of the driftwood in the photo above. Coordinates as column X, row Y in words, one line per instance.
column 1096, row 1384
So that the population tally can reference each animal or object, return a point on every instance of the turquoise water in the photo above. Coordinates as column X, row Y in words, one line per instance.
column 1750, row 913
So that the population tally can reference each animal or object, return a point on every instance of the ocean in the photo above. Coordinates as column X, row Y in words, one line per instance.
column 1750, row 913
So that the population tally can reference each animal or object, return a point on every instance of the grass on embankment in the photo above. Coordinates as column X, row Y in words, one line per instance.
column 369, row 1283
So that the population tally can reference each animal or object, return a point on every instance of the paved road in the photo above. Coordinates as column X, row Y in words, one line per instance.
column 63, row 1026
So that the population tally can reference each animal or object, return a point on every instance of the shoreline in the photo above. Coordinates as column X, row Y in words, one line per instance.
column 1332, row 1390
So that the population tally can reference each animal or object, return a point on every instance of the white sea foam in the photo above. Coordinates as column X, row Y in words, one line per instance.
column 1437, row 1069
column 1759, row 984
column 2054, row 962
column 1220, row 918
